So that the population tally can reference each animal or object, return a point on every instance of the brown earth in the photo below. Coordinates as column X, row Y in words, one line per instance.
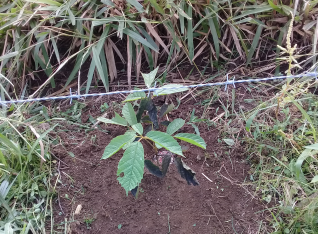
column 222, row 203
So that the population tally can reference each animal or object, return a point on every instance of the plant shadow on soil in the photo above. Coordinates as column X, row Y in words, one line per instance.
column 220, row 204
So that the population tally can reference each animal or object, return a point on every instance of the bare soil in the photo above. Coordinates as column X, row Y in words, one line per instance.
column 222, row 203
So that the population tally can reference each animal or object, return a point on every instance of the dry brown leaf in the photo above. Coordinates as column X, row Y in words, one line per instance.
column 225, row 47
column 236, row 41
column 200, row 51
column 156, row 36
column 111, row 61
column 129, row 65
column 117, row 50
column 78, row 209
column 138, row 62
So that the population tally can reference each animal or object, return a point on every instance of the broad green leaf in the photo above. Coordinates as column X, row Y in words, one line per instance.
column 116, row 120
column 117, row 143
column 132, row 165
column 192, row 139
column 170, row 88
column 136, row 4
column 174, row 126
column 138, row 128
column 135, row 96
column 149, row 77
column 129, row 114
column 314, row 180
column 314, row 146
column 48, row 2
column 166, row 141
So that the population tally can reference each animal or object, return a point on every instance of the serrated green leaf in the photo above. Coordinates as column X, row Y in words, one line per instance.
column 129, row 114
column 138, row 128
column 135, row 96
column 174, row 126
column 132, row 165
column 166, row 141
column 149, row 77
column 116, row 120
column 192, row 139
column 117, row 143
column 172, row 88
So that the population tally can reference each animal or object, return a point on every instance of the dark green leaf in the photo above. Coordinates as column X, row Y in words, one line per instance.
column 165, row 109
column 153, row 169
column 186, row 172
column 142, row 107
column 152, row 112
column 165, row 164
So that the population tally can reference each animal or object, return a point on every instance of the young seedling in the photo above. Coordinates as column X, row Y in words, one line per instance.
column 145, row 128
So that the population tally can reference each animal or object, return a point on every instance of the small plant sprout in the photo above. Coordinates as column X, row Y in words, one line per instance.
column 145, row 128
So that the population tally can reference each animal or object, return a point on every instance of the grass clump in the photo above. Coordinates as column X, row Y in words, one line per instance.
column 25, row 179
column 283, row 150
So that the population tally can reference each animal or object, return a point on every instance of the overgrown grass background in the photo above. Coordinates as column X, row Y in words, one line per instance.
column 100, row 42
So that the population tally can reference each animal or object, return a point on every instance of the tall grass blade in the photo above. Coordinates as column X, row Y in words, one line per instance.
column 254, row 44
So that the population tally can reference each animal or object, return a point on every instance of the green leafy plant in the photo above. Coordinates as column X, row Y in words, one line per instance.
column 145, row 128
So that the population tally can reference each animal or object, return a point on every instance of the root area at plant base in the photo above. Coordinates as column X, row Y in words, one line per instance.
column 222, row 203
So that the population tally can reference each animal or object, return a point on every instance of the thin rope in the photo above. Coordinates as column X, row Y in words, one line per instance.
column 156, row 90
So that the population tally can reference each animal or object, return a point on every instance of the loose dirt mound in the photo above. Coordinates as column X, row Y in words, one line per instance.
column 220, row 204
